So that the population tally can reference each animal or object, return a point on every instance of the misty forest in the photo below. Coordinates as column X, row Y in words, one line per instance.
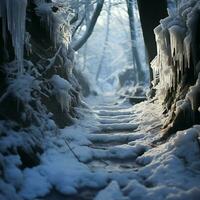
column 99, row 99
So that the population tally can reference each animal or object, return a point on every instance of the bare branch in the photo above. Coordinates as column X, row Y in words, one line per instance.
column 78, row 44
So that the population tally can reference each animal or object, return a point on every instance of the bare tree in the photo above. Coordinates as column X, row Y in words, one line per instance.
column 78, row 44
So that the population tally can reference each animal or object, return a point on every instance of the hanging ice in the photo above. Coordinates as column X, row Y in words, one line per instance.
column 13, row 14
column 57, row 23
column 174, row 38
column 61, row 88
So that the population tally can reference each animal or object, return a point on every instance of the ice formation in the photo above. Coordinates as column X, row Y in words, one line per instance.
column 61, row 89
column 13, row 13
column 57, row 22
column 174, row 44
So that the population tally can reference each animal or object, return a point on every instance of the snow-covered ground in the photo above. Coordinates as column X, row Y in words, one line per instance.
column 111, row 163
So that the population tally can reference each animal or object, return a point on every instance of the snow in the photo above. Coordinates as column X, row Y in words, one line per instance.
column 59, row 169
column 193, row 194
column 134, row 189
column 22, row 87
column 114, row 137
column 111, row 113
column 13, row 175
column 34, row 185
column 119, row 127
column 8, row 192
column 104, row 120
column 171, row 164
column 12, row 139
column 111, row 192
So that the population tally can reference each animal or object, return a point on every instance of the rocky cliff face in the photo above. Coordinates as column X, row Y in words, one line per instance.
column 176, row 66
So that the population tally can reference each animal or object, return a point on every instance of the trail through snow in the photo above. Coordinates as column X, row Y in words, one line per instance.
column 116, row 158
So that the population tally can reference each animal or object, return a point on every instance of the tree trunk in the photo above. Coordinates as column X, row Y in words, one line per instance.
column 135, row 55
column 151, row 12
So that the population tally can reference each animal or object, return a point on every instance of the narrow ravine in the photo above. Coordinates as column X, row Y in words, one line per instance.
column 63, row 135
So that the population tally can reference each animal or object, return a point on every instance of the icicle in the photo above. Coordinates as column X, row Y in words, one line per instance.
column 13, row 13
column 57, row 23
column 28, row 45
column 173, row 39
column 187, row 49
column 61, row 91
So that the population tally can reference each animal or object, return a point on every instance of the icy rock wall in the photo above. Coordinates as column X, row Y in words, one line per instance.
column 56, row 18
column 54, row 58
column 46, row 40
column 176, row 66
column 41, row 97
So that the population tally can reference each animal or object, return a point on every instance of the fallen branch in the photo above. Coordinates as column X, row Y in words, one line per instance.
column 67, row 143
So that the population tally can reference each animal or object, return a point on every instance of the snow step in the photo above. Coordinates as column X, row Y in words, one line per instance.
column 117, row 137
column 117, row 117
column 114, row 121
column 113, row 165
column 110, row 107
column 121, row 152
column 105, row 146
column 113, row 113
column 117, row 127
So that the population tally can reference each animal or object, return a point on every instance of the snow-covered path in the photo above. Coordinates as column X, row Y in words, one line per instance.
column 109, row 154
column 110, row 149
column 112, row 138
